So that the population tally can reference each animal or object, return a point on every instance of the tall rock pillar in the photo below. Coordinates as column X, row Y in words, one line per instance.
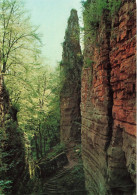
column 71, row 82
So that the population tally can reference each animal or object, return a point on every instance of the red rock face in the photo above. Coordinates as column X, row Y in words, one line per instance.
column 123, row 74
column 108, row 107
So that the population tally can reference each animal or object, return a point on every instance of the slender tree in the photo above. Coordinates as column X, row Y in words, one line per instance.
column 16, row 33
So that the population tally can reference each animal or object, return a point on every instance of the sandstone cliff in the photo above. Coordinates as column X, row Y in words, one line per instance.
column 108, row 105
column 71, row 78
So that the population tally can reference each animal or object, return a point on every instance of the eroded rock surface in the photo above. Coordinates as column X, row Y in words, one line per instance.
column 108, row 106
column 71, row 72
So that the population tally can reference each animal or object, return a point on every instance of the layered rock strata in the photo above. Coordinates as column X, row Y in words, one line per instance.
column 71, row 80
column 108, row 106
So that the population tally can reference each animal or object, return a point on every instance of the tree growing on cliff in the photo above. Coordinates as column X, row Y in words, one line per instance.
column 93, row 11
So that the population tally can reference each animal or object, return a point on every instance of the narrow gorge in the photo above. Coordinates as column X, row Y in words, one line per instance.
column 71, row 131
column 108, row 109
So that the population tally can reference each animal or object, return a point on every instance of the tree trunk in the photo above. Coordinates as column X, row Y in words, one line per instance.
column 4, row 67
column 44, row 145
column 36, row 145
column 40, row 141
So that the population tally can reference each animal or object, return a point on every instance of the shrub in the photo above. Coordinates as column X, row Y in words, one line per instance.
column 93, row 11
column 4, row 185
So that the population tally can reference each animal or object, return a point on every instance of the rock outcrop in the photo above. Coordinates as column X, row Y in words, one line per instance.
column 108, row 105
column 12, row 150
column 71, row 78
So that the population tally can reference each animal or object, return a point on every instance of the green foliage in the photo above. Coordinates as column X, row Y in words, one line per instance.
column 77, row 149
column 73, row 180
column 59, row 148
column 70, row 74
column 78, row 172
column 11, row 155
column 88, row 63
column 72, row 59
column 39, row 108
column 4, row 185
column 17, row 36
column 113, row 6
column 33, row 93
column 93, row 11
column 32, row 112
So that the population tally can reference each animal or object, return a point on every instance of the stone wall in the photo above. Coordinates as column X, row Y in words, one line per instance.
column 108, row 106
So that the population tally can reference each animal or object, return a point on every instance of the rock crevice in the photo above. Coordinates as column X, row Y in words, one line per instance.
column 108, row 105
